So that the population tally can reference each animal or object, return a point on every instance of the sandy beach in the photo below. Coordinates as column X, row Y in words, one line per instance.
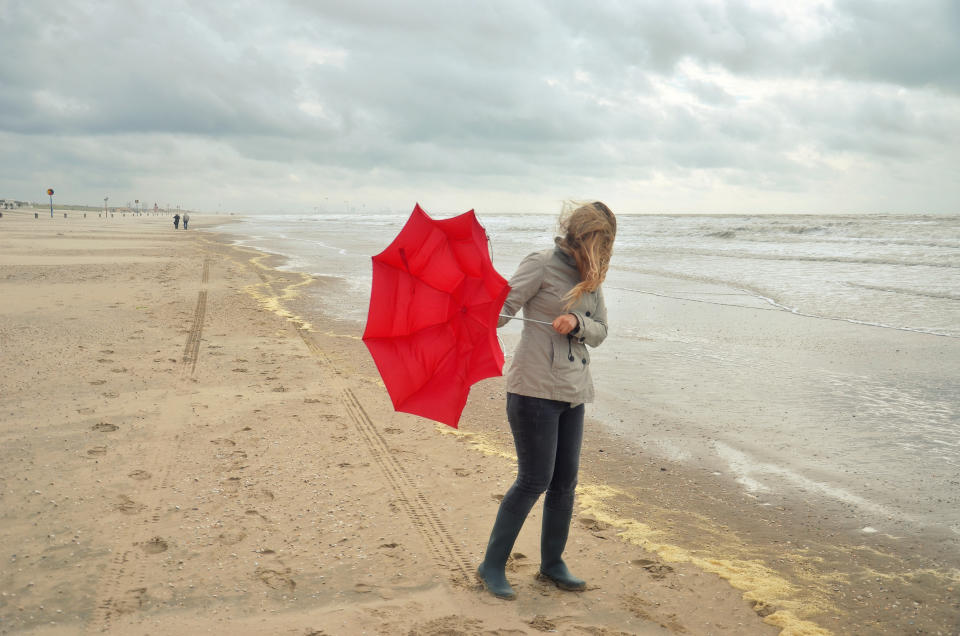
column 186, row 447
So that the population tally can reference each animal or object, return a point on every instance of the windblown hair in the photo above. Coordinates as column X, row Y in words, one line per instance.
column 586, row 231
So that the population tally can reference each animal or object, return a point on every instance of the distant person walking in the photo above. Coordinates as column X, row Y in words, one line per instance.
column 176, row 221
column 186, row 219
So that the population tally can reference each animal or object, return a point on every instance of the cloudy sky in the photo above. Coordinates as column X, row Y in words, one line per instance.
column 651, row 105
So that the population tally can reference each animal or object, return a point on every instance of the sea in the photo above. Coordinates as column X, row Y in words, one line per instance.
column 801, row 355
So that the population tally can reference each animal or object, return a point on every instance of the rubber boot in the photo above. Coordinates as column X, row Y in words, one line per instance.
column 553, row 540
column 492, row 571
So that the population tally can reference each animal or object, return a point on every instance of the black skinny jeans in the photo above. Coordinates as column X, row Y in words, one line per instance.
column 547, row 435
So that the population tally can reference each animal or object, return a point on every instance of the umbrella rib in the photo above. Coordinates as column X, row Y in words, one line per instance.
column 444, row 321
column 415, row 277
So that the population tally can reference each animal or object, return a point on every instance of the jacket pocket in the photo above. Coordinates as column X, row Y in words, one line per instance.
column 558, row 356
column 581, row 355
column 568, row 354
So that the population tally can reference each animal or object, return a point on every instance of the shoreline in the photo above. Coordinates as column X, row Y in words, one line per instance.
column 182, row 453
column 279, row 477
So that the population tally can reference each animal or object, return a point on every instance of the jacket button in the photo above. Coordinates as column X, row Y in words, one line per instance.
column 571, row 358
column 584, row 361
column 588, row 314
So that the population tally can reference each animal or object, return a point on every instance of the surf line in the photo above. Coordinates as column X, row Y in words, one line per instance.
column 797, row 312
column 698, row 300
column 779, row 307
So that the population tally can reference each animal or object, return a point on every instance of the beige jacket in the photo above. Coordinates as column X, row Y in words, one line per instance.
column 545, row 363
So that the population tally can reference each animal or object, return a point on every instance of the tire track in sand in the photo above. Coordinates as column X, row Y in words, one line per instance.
column 191, row 349
column 445, row 551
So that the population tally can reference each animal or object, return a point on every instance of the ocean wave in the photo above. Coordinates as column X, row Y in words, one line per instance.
column 834, row 240
column 806, row 229
column 679, row 251
column 909, row 292
column 768, row 298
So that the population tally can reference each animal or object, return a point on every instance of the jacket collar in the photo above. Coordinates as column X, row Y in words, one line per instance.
column 564, row 255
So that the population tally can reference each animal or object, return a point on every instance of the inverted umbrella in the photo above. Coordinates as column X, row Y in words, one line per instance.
column 431, row 327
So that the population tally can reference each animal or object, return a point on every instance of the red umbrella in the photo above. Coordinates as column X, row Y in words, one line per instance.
column 431, row 328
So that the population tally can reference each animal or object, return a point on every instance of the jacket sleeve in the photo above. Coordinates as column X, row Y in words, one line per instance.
column 524, row 285
column 593, row 328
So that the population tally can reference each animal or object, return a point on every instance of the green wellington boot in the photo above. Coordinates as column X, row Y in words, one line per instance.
column 553, row 540
column 491, row 572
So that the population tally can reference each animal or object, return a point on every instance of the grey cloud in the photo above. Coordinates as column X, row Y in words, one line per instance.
column 469, row 95
column 902, row 43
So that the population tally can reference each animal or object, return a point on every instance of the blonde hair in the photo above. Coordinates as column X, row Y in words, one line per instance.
column 586, row 231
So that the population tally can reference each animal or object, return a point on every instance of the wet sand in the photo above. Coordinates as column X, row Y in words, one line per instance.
column 189, row 446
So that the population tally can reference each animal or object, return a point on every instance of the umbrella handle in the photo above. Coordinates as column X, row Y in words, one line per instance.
column 540, row 322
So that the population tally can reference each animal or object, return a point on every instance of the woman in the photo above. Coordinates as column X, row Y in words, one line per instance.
column 547, row 385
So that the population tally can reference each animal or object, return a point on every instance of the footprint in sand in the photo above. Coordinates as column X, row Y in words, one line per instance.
column 127, row 506
column 119, row 370
column 256, row 513
column 104, row 427
column 223, row 441
column 392, row 430
column 276, row 579
column 98, row 382
column 231, row 537
column 763, row 609
column 239, row 370
column 542, row 624
column 111, row 394
column 461, row 472
column 155, row 545
column 593, row 525
column 97, row 451
column 648, row 611
column 139, row 475
column 453, row 624
column 104, row 361
column 656, row 569
column 107, row 351
column 131, row 601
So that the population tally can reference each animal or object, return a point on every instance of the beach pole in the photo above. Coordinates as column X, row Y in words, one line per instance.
column 50, row 193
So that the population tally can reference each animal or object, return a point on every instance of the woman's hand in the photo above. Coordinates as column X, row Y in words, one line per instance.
column 565, row 324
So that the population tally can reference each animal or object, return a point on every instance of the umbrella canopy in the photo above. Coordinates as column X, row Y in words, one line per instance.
column 431, row 327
